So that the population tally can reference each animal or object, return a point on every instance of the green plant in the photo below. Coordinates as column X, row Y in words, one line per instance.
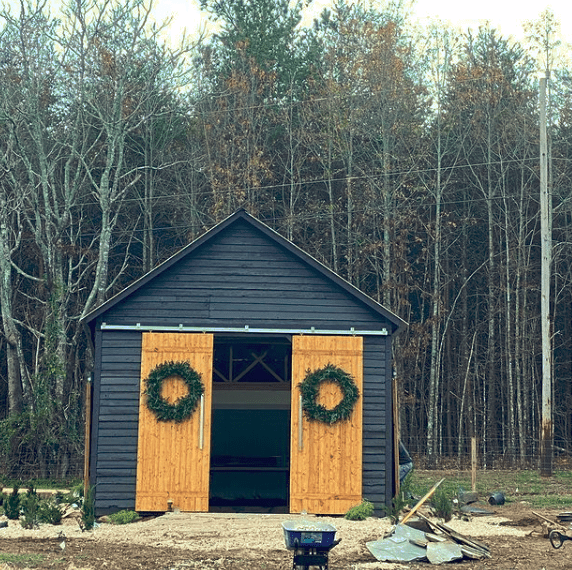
column 401, row 500
column 398, row 503
column 74, row 497
column 360, row 512
column 441, row 504
column 50, row 512
column 30, row 505
column 124, row 517
column 12, row 505
column 88, row 510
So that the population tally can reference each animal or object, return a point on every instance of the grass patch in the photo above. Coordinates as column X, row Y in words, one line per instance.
column 41, row 483
column 517, row 485
column 29, row 559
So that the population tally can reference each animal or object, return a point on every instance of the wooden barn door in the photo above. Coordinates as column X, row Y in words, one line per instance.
column 326, row 460
column 173, row 459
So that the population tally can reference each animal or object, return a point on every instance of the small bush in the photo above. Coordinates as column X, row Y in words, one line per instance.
column 50, row 512
column 88, row 510
column 12, row 505
column 403, row 499
column 30, row 505
column 441, row 504
column 398, row 503
column 124, row 517
column 360, row 512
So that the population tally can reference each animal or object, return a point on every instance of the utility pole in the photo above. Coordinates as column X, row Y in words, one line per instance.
column 547, row 427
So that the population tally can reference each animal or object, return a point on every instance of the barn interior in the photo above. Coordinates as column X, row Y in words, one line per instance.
column 250, row 438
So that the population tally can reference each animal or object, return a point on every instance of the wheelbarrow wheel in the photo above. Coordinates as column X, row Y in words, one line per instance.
column 556, row 538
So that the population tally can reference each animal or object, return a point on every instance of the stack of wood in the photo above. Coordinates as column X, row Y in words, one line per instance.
column 437, row 542
column 471, row 548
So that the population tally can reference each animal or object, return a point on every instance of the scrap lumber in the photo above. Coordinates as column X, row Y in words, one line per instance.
column 435, row 537
column 551, row 522
column 476, row 547
column 471, row 553
column 421, row 501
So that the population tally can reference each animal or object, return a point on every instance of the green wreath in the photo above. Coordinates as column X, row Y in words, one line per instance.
column 184, row 407
column 310, row 388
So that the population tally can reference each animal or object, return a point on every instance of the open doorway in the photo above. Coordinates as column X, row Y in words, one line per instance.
column 250, row 438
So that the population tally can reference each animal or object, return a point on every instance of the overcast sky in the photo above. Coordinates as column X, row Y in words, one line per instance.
column 505, row 15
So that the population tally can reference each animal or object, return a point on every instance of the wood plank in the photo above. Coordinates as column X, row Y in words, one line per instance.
column 326, row 471
column 171, row 465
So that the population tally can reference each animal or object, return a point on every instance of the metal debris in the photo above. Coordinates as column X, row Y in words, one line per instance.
column 439, row 552
column 401, row 546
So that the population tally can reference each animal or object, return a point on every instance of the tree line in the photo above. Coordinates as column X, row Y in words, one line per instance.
column 404, row 158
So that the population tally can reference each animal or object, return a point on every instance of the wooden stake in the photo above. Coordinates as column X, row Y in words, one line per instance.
column 473, row 464
column 87, row 441
column 396, row 437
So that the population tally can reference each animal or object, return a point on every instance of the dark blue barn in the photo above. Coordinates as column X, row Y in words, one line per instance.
column 254, row 316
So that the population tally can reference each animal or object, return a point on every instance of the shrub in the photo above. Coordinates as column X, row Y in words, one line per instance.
column 398, row 503
column 403, row 499
column 124, row 517
column 49, row 512
column 441, row 504
column 88, row 510
column 360, row 512
column 74, row 497
column 30, row 505
column 12, row 505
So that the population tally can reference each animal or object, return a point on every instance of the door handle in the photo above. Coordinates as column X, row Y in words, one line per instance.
column 300, row 426
column 202, row 423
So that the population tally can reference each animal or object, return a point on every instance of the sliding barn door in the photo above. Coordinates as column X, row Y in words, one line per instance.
column 173, row 459
column 326, row 460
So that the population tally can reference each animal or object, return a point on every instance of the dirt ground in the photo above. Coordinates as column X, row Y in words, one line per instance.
column 224, row 541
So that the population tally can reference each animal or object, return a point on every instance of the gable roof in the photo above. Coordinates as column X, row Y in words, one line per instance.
column 274, row 236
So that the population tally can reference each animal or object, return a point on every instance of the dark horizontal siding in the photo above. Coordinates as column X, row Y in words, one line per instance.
column 117, row 415
column 241, row 277
column 376, row 423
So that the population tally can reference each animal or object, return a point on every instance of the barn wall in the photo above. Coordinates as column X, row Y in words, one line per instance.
column 239, row 278
column 377, row 421
column 116, row 414
column 114, row 449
